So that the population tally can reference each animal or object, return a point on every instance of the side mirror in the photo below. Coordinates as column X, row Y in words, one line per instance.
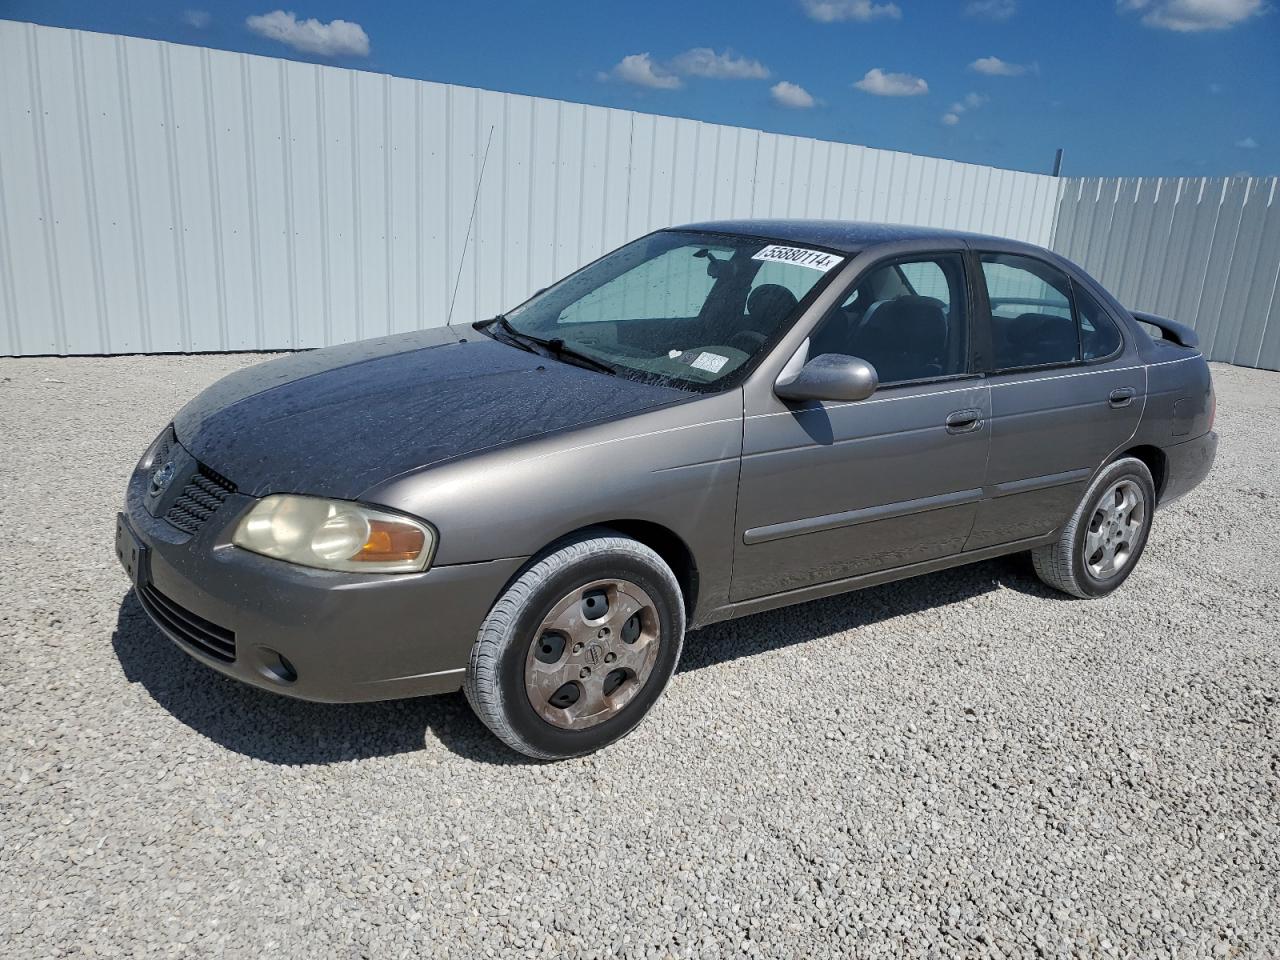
column 831, row 376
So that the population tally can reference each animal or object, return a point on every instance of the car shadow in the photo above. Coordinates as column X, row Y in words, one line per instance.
column 786, row 626
column 815, row 421
column 281, row 730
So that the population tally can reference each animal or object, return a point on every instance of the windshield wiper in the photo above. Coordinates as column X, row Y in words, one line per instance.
column 517, row 338
column 562, row 351
column 553, row 347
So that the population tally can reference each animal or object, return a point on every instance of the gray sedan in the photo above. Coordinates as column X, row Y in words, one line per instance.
column 711, row 421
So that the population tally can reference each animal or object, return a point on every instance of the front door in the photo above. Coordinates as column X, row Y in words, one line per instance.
column 830, row 491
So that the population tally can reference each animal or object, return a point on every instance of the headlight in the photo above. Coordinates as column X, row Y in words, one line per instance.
column 159, row 445
column 335, row 535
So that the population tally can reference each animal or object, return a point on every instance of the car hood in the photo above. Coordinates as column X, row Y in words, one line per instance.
column 336, row 421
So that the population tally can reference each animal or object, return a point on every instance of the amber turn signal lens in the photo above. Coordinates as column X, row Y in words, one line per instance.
column 390, row 542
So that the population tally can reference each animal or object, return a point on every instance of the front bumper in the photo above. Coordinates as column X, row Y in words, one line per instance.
column 312, row 634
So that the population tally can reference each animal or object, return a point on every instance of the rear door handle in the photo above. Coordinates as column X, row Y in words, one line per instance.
column 1121, row 396
column 964, row 421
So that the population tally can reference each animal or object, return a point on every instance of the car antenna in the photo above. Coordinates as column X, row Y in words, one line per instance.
column 475, row 202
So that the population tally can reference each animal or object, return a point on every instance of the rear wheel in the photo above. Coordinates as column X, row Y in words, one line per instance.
column 578, row 648
column 1101, row 543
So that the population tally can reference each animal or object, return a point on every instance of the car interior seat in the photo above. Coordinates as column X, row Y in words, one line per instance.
column 767, row 306
column 904, row 338
column 1035, row 338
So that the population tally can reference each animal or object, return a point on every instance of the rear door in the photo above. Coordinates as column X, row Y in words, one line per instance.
column 830, row 491
column 1065, row 394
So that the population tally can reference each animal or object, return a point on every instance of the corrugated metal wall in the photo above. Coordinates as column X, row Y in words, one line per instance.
column 1205, row 252
column 156, row 197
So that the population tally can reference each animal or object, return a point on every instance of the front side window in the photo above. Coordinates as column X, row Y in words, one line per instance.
column 906, row 319
column 684, row 308
column 1032, row 323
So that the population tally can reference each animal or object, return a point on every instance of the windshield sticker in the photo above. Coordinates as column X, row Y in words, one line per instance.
column 710, row 362
column 813, row 259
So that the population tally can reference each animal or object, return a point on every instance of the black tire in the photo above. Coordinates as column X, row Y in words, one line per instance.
column 1063, row 564
column 495, row 681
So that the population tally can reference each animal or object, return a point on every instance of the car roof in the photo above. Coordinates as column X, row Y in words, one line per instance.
column 848, row 236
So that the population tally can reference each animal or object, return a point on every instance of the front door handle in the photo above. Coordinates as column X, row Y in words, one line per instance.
column 1121, row 396
column 964, row 421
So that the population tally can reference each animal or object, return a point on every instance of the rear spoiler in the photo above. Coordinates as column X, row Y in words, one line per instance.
column 1179, row 333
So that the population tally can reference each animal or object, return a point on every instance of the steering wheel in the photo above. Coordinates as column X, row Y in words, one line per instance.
column 748, row 341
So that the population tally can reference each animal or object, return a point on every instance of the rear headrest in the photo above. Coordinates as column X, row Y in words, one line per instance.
column 1043, row 334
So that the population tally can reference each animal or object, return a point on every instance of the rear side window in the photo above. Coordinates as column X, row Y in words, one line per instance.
column 1032, row 323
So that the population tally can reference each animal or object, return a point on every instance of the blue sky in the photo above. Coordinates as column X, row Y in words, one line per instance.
column 1127, row 87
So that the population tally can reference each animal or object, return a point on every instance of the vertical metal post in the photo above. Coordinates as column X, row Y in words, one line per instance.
column 1057, row 163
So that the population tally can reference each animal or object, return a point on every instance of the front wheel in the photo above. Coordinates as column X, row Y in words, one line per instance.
column 578, row 648
column 1101, row 543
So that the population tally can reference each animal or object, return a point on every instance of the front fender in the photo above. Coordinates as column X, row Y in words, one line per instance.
column 676, row 467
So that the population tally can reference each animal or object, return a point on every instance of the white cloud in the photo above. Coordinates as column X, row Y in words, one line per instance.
column 892, row 84
column 705, row 62
column 1191, row 16
column 1248, row 143
column 196, row 18
column 833, row 11
column 970, row 101
column 791, row 95
column 995, row 67
column 337, row 38
column 643, row 71
column 639, row 69
column 992, row 9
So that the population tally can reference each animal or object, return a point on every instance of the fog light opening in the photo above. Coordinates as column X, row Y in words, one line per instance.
column 276, row 666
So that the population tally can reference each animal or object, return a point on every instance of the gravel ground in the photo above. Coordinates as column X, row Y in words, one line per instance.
column 959, row 765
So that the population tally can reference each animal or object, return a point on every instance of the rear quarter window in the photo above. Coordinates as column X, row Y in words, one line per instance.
column 1099, row 336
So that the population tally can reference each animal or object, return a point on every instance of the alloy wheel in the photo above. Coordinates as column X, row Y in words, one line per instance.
column 1114, row 529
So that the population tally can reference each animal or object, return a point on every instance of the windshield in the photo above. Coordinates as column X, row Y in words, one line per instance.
column 682, row 308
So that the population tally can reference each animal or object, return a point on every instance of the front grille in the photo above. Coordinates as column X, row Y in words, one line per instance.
column 204, row 493
column 208, row 638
